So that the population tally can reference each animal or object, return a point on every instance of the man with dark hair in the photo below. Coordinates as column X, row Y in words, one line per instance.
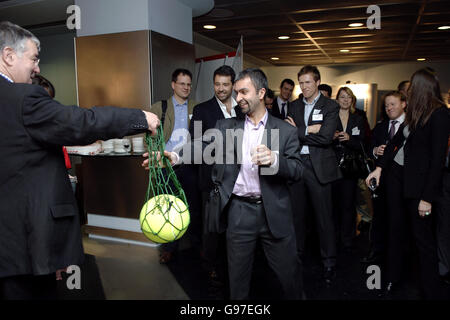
column 316, row 118
column 403, row 87
column 268, row 99
column 252, row 188
column 205, row 115
column 326, row 90
column 175, row 114
column 39, row 224
column 281, row 103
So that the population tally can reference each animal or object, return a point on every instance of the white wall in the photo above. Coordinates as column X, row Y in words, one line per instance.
column 168, row 17
column 58, row 65
column 387, row 75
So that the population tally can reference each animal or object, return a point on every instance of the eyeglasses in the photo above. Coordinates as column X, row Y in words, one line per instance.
column 182, row 84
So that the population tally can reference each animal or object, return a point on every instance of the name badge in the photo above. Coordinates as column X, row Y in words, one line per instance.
column 355, row 131
column 316, row 111
column 317, row 117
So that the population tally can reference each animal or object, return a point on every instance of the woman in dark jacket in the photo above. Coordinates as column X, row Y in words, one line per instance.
column 348, row 139
column 420, row 155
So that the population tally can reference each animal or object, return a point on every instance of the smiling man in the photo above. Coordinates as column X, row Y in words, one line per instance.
column 39, row 224
column 256, row 206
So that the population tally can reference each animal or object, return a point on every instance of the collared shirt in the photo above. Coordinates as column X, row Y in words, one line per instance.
column 399, row 120
column 308, row 108
column 180, row 128
column 6, row 77
column 223, row 107
column 247, row 182
column 280, row 102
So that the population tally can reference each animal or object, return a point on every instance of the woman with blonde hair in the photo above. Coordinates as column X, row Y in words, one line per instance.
column 348, row 139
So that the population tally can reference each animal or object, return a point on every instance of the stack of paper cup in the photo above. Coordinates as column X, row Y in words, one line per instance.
column 107, row 146
column 118, row 146
column 138, row 144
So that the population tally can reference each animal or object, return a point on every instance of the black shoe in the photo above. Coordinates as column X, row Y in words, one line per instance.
column 372, row 258
column 329, row 275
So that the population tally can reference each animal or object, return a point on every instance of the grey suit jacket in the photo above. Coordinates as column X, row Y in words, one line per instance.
column 323, row 158
column 273, row 182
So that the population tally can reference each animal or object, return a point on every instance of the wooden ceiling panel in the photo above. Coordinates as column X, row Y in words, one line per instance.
column 319, row 29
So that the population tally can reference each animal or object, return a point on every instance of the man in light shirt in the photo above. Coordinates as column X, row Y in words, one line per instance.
column 175, row 114
column 205, row 116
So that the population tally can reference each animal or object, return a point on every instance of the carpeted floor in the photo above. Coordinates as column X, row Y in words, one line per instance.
column 350, row 283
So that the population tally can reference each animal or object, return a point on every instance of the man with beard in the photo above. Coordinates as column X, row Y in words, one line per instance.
column 205, row 116
column 253, row 189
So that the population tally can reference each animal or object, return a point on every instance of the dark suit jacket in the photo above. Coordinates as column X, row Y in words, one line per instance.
column 355, row 122
column 425, row 151
column 321, row 151
column 207, row 114
column 273, row 182
column 39, row 223
column 380, row 135
column 276, row 109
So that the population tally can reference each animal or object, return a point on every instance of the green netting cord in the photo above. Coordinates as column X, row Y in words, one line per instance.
column 162, row 187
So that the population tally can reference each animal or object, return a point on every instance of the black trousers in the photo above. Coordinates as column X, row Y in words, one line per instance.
column 246, row 225
column 28, row 287
column 344, row 194
column 407, row 221
column 398, row 224
column 442, row 212
column 379, row 225
column 214, row 246
column 310, row 190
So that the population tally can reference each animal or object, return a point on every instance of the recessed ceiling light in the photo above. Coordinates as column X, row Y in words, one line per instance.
column 275, row 58
column 444, row 27
column 284, row 37
column 344, row 50
column 356, row 24
column 209, row 26
column 421, row 59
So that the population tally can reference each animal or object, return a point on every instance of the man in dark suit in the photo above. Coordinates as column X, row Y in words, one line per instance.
column 281, row 104
column 205, row 116
column 394, row 105
column 251, row 179
column 39, row 223
column 316, row 117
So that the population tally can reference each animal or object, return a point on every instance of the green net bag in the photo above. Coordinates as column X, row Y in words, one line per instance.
column 165, row 216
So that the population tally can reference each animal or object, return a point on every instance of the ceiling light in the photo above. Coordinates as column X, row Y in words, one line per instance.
column 444, row 27
column 356, row 24
column 283, row 37
column 344, row 50
column 421, row 59
column 209, row 26
column 275, row 58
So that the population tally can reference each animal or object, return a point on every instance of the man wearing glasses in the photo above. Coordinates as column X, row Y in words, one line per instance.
column 175, row 114
column 39, row 224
